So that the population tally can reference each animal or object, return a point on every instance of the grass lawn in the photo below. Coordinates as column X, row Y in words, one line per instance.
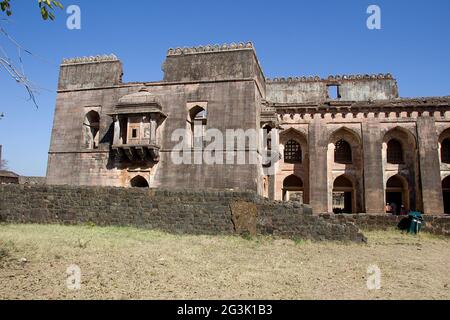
column 128, row 263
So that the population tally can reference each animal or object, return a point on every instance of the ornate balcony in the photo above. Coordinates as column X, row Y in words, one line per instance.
column 137, row 152
column 137, row 118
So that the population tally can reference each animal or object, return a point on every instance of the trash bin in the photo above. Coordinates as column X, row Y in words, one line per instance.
column 416, row 222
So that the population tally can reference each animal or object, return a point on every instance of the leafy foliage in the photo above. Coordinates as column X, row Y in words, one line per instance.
column 45, row 6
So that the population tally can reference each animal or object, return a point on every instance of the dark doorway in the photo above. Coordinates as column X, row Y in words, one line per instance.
column 293, row 189
column 446, row 202
column 395, row 199
column 342, row 202
column 397, row 194
column 446, row 194
column 343, row 195
column 139, row 182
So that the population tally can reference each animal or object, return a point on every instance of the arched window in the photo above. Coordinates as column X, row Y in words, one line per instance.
column 91, row 128
column 395, row 152
column 292, row 152
column 343, row 152
column 445, row 151
column 198, row 118
column 139, row 182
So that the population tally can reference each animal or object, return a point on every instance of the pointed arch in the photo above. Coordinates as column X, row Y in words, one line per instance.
column 294, row 146
column 344, row 132
column 401, row 134
column 346, row 144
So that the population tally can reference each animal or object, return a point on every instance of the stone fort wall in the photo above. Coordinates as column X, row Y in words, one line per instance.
column 193, row 212
column 434, row 224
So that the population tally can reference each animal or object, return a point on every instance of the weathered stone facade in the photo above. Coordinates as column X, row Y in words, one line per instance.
column 346, row 143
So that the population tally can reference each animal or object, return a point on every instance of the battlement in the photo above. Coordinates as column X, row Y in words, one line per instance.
column 90, row 72
column 91, row 59
column 234, row 61
column 344, row 77
column 211, row 48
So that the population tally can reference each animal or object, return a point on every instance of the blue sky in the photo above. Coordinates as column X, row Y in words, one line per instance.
column 292, row 38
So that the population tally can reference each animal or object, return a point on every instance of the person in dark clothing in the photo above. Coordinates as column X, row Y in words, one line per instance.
column 394, row 209
column 403, row 211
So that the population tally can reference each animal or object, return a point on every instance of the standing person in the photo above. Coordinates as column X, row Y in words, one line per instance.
column 403, row 211
column 388, row 208
column 394, row 209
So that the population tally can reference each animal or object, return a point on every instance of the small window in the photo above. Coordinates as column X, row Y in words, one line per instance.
column 333, row 92
column 395, row 152
column 292, row 152
column 343, row 152
column 134, row 133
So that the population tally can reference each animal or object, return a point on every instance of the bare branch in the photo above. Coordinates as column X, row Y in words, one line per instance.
column 18, row 73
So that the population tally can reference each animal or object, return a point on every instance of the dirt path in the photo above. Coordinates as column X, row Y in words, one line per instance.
column 125, row 263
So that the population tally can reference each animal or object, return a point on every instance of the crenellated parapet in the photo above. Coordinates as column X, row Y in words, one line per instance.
column 358, row 87
column 393, row 110
column 210, row 48
column 90, row 72
column 214, row 63
column 91, row 59
column 380, row 76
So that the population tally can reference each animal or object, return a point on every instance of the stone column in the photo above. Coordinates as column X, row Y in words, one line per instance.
column 430, row 174
column 116, row 140
column 153, row 129
column 373, row 166
column 318, row 184
column 271, row 182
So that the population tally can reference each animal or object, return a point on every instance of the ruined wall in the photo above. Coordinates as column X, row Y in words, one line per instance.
column 212, row 212
column 32, row 180
column 314, row 89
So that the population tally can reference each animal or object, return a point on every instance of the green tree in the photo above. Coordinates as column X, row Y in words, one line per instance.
column 45, row 6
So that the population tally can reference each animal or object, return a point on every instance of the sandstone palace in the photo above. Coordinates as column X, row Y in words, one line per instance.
column 346, row 143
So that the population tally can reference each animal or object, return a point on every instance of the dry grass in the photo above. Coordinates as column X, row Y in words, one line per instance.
column 127, row 263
